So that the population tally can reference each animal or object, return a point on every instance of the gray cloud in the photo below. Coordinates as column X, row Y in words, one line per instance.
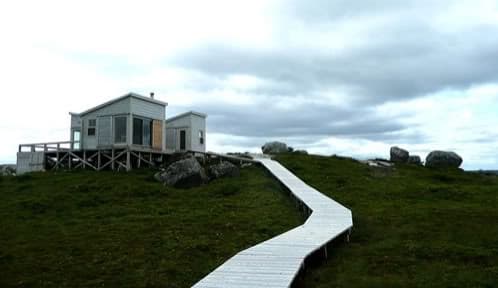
column 405, row 54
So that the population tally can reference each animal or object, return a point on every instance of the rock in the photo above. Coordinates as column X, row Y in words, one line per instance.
column 7, row 170
column 223, row 169
column 184, row 173
column 414, row 159
column 443, row 159
column 274, row 147
column 399, row 155
column 290, row 149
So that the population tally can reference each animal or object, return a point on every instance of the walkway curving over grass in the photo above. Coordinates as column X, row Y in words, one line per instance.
column 276, row 262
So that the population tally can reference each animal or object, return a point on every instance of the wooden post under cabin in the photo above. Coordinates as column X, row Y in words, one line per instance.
column 128, row 160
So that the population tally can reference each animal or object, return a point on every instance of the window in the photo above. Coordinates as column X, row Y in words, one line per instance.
column 76, row 139
column 201, row 137
column 142, row 131
column 91, row 127
column 120, row 129
column 138, row 131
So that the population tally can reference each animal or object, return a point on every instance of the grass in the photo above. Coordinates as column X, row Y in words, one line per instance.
column 413, row 227
column 88, row 229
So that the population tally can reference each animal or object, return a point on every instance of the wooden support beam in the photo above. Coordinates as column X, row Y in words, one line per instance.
column 59, row 161
column 82, row 161
column 140, row 158
column 128, row 160
column 70, row 164
column 112, row 159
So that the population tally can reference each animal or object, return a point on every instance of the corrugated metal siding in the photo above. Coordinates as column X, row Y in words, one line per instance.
column 147, row 109
column 119, row 107
column 104, row 131
column 29, row 162
column 198, row 124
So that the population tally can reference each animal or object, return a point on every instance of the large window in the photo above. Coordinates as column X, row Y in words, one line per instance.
column 120, row 129
column 92, row 123
column 142, row 131
column 201, row 137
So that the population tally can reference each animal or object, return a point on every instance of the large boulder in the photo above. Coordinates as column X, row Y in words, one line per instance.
column 7, row 170
column 223, row 169
column 414, row 159
column 274, row 147
column 184, row 173
column 443, row 159
column 399, row 155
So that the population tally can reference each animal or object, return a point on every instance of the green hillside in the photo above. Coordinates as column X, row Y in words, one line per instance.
column 413, row 227
column 89, row 229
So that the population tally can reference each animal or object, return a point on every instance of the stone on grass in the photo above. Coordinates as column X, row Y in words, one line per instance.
column 399, row 155
column 274, row 147
column 223, row 169
column 414, row 159
column 184, row 173
column 443, row 159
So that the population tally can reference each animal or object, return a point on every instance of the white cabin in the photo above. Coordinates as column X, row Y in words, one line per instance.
column 187, row 132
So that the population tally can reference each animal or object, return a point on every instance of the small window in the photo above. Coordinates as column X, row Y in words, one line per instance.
column 91, row 127
column 201, row 137
column 91, row 132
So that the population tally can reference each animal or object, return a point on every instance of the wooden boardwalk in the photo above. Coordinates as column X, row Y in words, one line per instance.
column 276, row 262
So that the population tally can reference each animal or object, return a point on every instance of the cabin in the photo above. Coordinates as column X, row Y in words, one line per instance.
column 125, row 132
column 187, row 131
column 131, row 120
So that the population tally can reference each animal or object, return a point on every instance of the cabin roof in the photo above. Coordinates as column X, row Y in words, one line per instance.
column 202, row 115
column 130, row 94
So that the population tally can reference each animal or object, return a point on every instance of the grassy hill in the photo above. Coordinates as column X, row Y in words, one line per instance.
column 413, row 227
column 88, row 229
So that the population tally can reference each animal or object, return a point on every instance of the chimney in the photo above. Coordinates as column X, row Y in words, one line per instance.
column 152, row 95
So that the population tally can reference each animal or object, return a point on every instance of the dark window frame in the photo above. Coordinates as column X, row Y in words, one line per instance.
column 91, row 130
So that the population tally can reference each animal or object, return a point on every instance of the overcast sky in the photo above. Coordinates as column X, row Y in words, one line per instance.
column 332, row 77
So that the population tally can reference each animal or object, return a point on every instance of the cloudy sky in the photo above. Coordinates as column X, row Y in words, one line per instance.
column 332, row 77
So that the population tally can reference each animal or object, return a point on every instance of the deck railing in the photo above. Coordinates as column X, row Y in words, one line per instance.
column 51, row 146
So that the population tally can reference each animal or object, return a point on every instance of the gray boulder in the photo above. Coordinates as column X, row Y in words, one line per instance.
column 274, row 147
column 443, row 159
column 184, row 173
column 223, row 169
column 399, row 155
column 414, row 159
column 7, row 170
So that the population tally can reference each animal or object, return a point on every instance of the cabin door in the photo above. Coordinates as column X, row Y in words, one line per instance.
column 183, row 139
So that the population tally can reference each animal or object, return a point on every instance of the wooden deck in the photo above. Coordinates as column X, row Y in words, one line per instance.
column 276, row 262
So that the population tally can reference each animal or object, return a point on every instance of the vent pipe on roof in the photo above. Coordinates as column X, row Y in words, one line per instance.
column 152, row 95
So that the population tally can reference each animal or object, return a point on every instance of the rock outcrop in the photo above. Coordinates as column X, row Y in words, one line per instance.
column 7, row 170
column 223, row 169
column 274, row 147
column 184, row 173
column 443, row 159
column 414, row 159
column 399, row 155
